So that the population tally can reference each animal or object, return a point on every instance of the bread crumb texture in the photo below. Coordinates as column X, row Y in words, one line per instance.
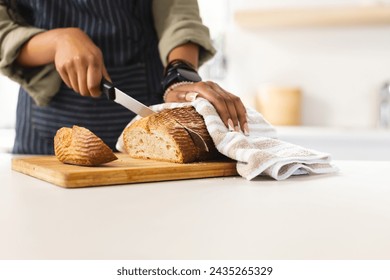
column 161, row 136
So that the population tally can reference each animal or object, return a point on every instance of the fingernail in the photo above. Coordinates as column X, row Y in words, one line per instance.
column 230, row 125
column 246, row 129
column 191, row 96
column 237, row 128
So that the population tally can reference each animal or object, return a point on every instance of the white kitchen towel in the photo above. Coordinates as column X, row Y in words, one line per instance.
column 260, row 153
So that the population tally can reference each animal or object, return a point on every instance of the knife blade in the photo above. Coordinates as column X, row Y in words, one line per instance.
column 125, row 100
column 137, row 107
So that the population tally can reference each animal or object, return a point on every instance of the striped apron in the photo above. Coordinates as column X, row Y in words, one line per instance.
column 124, row 31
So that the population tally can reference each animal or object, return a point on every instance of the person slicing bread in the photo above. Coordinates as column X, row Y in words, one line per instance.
column 59, row 51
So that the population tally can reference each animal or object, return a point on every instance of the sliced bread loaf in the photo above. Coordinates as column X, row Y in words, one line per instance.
column 161, row 136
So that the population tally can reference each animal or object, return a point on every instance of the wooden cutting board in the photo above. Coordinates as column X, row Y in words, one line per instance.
column 125, row 170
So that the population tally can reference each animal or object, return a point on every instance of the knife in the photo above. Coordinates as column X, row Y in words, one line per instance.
column 125, row 100
column 137, row 107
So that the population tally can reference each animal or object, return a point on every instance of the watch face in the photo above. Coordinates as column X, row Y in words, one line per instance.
column 189, row 75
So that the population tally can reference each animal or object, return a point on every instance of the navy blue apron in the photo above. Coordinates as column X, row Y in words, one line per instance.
column 124, row 31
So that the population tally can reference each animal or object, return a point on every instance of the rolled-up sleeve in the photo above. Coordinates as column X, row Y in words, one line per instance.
column 178, row 22
column 42, row 83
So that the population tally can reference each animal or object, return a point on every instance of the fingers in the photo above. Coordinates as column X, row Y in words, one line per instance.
column 229, row 106
column 83, row 76
column 94, row 77
column 72, row 75
column 226, row 98
column 237, row 111
column 80, row 63
column 64, row 76
column 105, row 73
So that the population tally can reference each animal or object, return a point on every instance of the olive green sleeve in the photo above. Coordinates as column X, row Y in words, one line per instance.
column 178, row 22
column 42, row 83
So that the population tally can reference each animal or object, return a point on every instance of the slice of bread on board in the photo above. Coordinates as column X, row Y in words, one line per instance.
column 79, row 146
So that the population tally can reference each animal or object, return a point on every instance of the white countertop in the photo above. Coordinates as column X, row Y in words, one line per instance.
column 342, row 143
column 343, row 216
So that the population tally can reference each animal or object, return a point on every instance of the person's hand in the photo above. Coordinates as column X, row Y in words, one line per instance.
column 229, row 106
column 79, row 62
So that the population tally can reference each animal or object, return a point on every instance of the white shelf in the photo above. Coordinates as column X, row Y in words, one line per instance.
column 314, row 17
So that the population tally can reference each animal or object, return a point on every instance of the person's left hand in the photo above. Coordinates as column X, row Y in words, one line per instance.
column 229, row 106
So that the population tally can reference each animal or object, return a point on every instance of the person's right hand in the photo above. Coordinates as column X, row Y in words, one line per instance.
column 79, row 62
column 77, row 59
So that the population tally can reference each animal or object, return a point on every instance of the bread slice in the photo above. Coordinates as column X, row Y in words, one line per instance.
column 161, row 136
column 79, row 146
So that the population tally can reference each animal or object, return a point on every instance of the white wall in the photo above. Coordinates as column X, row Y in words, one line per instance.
column 8, row 99
column 340, row 70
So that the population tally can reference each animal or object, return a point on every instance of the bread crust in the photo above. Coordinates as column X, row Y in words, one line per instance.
column 79, row 146
column 161, row 136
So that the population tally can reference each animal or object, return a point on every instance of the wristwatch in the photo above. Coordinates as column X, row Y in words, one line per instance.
column 179, row 71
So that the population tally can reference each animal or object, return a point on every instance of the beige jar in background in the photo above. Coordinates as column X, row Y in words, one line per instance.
column 280, row 105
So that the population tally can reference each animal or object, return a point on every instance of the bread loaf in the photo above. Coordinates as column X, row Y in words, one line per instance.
column 161, row 136
column 79, row 146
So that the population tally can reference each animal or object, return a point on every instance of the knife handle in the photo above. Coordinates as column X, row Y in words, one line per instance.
column 108, row 89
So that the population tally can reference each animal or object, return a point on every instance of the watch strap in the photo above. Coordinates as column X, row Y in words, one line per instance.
column 179, row 71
